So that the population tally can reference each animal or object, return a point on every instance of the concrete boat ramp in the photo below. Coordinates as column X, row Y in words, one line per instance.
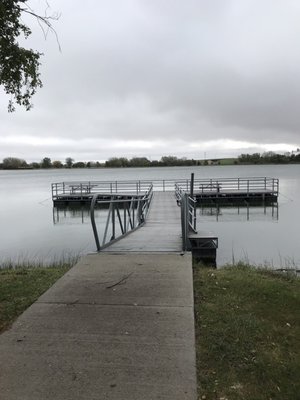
column 116, row 326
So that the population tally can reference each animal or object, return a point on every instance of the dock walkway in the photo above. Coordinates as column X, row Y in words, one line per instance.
column 162, row 231
column 115, row 327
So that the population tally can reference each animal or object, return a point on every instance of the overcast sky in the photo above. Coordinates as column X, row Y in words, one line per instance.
column 190, row 78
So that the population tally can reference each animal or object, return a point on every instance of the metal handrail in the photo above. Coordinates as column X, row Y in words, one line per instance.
column 188, row 218
column 247, row 185
column 134, row 215
column 113, row 187
column 142, row 186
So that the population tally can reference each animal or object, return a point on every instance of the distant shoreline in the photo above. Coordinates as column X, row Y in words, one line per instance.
column 145, row 166
column 269, row 158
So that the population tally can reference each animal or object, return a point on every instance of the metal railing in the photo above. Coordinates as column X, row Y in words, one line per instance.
column 124, row 216
column 83, row 188
column 234, row 185
column 188, row 215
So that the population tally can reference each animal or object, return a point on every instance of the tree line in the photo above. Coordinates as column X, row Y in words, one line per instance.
column 270, row 157
column 114, row 162
column 165, row 161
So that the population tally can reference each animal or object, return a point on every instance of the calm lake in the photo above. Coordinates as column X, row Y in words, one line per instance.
column 33, row 230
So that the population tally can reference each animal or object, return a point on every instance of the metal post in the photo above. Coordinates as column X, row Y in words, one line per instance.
column 113, row 220
column 125, row 227
column 94, row 200
column 183, row 226
column 192, row 185
column 186, row 212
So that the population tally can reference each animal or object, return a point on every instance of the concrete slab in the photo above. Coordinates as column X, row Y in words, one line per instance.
column 148, row 279
column 110, row 340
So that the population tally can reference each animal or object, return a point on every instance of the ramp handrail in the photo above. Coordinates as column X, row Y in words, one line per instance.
column 188, row 214
column 125, row 214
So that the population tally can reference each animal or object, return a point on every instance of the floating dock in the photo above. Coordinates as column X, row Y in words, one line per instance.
column 223, row 190
column 162, row 225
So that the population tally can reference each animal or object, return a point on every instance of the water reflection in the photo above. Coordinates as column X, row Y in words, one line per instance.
column 72, row 215
column 246, row 212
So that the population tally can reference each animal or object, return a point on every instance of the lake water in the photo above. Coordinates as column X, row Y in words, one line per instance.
column 32, row 229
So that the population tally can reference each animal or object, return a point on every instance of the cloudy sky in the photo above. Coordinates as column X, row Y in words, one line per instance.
column 192, row 78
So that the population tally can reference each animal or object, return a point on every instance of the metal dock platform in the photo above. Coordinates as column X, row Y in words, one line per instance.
column 152, row 206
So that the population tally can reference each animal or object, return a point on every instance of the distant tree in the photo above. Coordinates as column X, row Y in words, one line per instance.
column 57, row 164
column 139, row 162
column 19, row 67
column 116, row 162
column 69, row 162
column 79, row 164
column 46, row 163
column 13, row 163
column 170, row 161
column 35, row 165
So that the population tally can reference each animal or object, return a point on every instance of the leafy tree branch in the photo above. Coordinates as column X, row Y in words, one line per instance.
column 19, row 67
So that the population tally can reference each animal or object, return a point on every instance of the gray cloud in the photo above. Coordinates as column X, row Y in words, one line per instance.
column 168, row 73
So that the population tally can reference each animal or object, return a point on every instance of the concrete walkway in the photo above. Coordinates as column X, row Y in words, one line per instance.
column 114, row 327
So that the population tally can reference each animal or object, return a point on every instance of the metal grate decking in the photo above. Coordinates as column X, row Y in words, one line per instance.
column 162, row 231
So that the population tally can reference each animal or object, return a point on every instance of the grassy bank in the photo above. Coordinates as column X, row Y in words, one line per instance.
column 21, row 286
column 247, row 333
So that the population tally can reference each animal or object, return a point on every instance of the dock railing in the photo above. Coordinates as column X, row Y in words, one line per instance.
column 124, row 216
column 246, row 185
column 61, row 190
column 188, row 215
column 201, row 186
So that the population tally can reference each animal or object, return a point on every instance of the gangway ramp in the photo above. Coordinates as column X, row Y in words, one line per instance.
column 160, row 233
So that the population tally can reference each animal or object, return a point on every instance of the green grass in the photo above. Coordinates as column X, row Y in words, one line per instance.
column 227, row 161
column 21, row 286
column 247, row 334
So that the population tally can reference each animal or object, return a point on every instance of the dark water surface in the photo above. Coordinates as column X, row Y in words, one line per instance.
column 32, row 229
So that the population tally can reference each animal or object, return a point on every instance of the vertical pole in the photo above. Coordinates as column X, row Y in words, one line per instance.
column 195, row 216
column 192, row 185
column 125, row 227
column 113, row 220
column 183, row 222
column 93, row 221
column 186, row 212
column 133, row 208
